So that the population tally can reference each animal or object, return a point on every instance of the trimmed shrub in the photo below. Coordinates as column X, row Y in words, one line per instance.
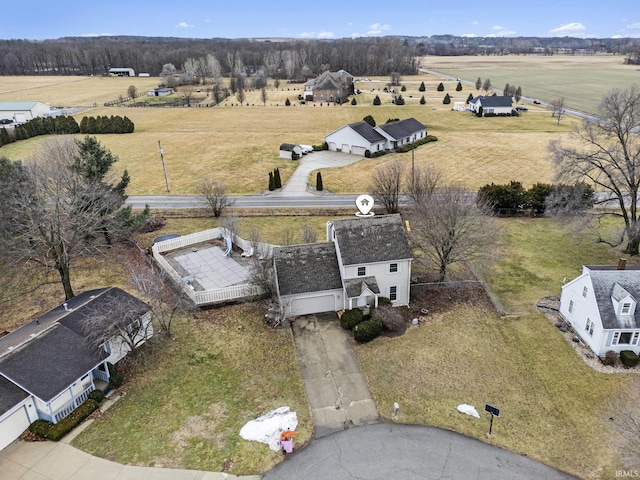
column 351, row 318
column 319, row 186
column 458, row 87
column 116, row 380
column 67, row 424
column 353, row 101
column 97, row 395
column 272, row 185
column 610, row 358
column 391, row 319
column 441, row 87
column 41, row 428
column 422, row 101
column 629, row 358
column 384, row 302
column 367, row 330
column 287, row 102
column 403, row 88
column 325, row 146
column 447, row 99
column 421, row 88
column 377, row 101
column 367, row 153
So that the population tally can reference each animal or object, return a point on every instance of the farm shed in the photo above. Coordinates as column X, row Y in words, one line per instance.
column 122, row 72
column 288, row 150
column 23, row 111
column 160, row 92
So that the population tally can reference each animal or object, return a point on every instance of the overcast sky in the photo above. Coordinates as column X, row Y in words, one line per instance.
column 47, row 19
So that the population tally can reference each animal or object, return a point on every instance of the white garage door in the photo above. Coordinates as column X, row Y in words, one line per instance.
column 304, row 306
column 358, row 150
column 12, row 426
column 346, row 148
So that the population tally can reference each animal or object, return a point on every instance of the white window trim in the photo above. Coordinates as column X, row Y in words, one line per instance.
column 397, row 270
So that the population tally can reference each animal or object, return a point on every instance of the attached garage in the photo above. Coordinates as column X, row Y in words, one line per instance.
column 355, row 150
column 14, row 414
column 308, row 278
column 303, row 305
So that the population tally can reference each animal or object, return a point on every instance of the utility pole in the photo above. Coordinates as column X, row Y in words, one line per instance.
column 164, row 167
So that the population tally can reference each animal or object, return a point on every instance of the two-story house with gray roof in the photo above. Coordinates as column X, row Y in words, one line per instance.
column 360, row 137
column 601, row 305
column 50, row 365
column 364, row 258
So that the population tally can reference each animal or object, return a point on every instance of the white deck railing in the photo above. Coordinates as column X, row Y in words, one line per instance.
column 219, row 295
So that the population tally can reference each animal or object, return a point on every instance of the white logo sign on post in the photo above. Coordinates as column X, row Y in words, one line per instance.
column 364, row 204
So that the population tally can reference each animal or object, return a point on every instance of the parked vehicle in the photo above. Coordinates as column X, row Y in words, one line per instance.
column 306, row 149
column 536, row 101
column 522, row 108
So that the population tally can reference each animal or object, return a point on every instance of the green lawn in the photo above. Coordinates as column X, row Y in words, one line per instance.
column 185, row 406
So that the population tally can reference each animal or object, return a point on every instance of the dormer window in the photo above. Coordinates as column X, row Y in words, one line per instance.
column 626, row 308
column 623, row 302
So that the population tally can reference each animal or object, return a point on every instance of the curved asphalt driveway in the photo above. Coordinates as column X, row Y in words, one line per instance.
column 297, row 183
column 409, row 452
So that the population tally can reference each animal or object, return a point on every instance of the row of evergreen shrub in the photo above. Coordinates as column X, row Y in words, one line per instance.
column 40, row 126
column 104, row 124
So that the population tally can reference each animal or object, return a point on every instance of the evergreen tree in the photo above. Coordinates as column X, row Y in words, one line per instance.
column 469, row 98
column 399, row 100
column 84, row 125
column 422, row 100
column 403, row 89
column 5, row 138
column 459, row 87
column 422, row 88
column 272, row 186
column 517, row 95
column 277, row 183
column 447, row 99
column 287, row 102
column 370, row 120
column 377, row 101
column 353, row 101
column 319, row 185
column 441, row 87
column 478, row 83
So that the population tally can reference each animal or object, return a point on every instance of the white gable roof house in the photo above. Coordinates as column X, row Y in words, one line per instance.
column 601, row 305
column 491, row 105
column 23, row 111
column 364, row 258
column 49, row 366
column 360, row 137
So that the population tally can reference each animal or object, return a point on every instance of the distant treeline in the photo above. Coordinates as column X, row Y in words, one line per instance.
column 283, row 59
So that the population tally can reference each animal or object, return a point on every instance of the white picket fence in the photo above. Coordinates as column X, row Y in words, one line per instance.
column 219, row 295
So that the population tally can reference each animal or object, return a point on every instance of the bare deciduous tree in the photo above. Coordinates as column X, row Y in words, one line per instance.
column 558, row 109
column 261, row 265
column 132, row 91
column 309, row 234
column 422, row 182
column 386, row 182
column 606, row 154
column 288, row 236
column 448, row 228
column 263, row 95
column 215, row 194
column 60, row 215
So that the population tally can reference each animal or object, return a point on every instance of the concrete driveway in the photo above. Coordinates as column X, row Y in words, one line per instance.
column 297, row 184
column 337, row 392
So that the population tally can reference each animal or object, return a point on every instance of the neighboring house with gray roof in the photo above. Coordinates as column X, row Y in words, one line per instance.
column 23, row 111
column 50, row 365
column 364, row 258
column 602, row 307
column 491, row 105
column 328, row 87
column 360, row 137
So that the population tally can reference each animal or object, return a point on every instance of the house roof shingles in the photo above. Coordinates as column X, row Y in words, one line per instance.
column 307, row 268
column 372, row 239
column 51, row 362
column 493, row 101
column 10, row 395
column 356, row 286
column 367, row 132
column 604, row 283
column 402, row 128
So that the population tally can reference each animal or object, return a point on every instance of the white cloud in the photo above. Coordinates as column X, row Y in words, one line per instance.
column 184, row 25
column 356, row 35
column 469, row 35
column 634, row 25
column 500, row 31
column 568, row 29
column 323, row 34
column 475, row 22
column 378, row 28
column 497, row 27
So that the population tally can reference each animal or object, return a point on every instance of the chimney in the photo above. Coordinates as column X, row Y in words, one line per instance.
column 622, row 263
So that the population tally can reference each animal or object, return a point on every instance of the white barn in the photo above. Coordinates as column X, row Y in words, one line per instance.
column 23, row 111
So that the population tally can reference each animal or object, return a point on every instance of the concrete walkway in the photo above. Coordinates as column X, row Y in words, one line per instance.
column 337, row 392
column 297, row 183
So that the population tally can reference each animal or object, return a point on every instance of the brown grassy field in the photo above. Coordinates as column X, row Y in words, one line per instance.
column 581, row 80
column 239, row 144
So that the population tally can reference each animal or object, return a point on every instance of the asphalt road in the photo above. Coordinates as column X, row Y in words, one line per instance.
column 249, row 201
column 408, row 452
